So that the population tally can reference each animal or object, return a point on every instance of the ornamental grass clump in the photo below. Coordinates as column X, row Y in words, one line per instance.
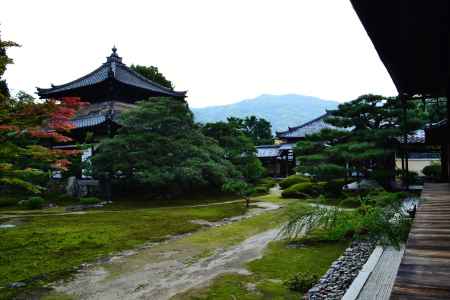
column 381, row 219
column 301, row 282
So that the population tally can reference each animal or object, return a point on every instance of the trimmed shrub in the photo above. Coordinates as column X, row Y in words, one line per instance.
column 351, row 202
column 303, row 190
column 301, row 282
column 8, row 200
column 34, row 202
column 293, row 179
column 268, row 181
column 261, row 189
column 433, row 171
column 333, row 187
column 89, row 200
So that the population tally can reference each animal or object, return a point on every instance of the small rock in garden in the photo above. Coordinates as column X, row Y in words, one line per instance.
column 16, row 285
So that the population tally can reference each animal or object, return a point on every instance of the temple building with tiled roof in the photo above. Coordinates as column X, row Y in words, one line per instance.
column 297, row 133
column 109, row 90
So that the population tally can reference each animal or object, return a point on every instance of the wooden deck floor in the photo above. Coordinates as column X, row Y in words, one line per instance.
column 424, row 272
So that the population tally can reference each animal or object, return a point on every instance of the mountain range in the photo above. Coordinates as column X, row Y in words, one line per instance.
column 282, row 111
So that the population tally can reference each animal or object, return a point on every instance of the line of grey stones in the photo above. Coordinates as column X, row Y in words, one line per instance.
column 343, row 271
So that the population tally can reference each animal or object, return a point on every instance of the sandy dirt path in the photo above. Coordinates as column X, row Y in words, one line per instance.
column 165, row 270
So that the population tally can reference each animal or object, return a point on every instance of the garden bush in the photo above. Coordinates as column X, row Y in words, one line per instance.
column 89, row 200
column 303, row 190
column 268, row 181
column 350, row 202
column 301, row 282
column 34, row 202
column 333, row 188
column 8, row 200
column 293, row 179
column 261, row 189
column 433, row 171
column 263, row 185
column 385, row 224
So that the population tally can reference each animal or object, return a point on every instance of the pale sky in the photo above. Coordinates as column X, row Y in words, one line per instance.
column 220, row 51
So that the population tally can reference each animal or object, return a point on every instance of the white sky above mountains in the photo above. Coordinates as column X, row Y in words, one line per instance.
column 219, row 51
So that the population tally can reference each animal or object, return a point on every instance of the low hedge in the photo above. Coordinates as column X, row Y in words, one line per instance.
column 89, row 200
column 268, row 181
column 293, row 179
column 433, row 171
column 333, row 187
column 34, row 202
column 303, row 190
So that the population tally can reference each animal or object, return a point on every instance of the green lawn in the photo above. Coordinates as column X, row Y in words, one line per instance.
column 278, row 264
column 48, row 247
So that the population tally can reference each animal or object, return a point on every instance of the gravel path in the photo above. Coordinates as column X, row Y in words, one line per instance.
column 156, row 274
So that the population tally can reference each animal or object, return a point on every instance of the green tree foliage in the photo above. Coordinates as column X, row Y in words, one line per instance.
column 4, row 62
column 153, row 74
column 259, row 130
column 240, row 188
column 25, row 155
column 160, row 146
column 364, row 141
column 239, row 148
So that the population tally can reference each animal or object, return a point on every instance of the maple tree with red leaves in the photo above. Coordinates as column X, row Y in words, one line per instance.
column 27, row 130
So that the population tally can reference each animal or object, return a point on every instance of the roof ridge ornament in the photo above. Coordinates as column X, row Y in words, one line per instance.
column 114, row 57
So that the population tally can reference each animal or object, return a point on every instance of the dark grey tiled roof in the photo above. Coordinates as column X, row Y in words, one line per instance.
column 266, row 151
column 308, row 128
column 116, row 70
column 417, row 137
column 88, row 121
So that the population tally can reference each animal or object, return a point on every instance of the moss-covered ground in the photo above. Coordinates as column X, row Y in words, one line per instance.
column 279, row 263
column 46, row 247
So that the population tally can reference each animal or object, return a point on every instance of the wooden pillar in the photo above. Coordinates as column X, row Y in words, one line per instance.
column 444, row 162
column 447, row 142
column 405, row 140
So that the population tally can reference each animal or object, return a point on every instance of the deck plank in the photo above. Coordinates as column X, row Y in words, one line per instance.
column 424, row 272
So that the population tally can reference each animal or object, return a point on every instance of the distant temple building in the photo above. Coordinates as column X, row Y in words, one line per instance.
column 110, row 89
column 279, row 159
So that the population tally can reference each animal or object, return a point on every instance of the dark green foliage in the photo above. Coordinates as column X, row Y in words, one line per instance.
column 4, row 62
column 267, row 181
column 259, row 130
column 161, row 147
column 303, row 190
column 9, row 199
column 239, row 148
column 293, row 179
column 240, row 188
column 351, row 202
column 153, row 74
column 364, row 141
column 333, row 187
column 301, row 282
column 261, row 189
column 89, row 200
column 35, row 202
column 263, row 185
column 432, row 171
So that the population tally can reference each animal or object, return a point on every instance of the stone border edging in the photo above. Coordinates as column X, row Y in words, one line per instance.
column 358, row 283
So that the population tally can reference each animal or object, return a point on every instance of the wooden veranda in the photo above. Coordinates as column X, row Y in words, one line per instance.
column 424, row 272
